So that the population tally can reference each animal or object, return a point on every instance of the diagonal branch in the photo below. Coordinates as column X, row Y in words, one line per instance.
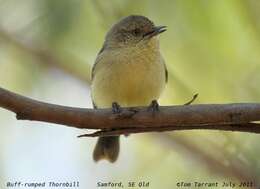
column 47, row 58
column 226, row 117
column 235, row 168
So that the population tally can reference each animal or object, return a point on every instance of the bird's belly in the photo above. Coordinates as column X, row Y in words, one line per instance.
column 129, row 84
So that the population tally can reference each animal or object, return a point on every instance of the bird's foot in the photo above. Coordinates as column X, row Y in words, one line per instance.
column 116, row 108
column 154, row 106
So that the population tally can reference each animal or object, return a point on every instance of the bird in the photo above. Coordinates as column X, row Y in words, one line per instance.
column 129, row 71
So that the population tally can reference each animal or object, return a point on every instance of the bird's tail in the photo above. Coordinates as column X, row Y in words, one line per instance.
column 107, row 148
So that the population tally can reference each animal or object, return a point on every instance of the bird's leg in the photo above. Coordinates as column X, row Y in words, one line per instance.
column 154, row 106
column 116, row 108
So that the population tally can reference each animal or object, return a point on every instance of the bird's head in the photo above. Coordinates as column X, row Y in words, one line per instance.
column 132, row 31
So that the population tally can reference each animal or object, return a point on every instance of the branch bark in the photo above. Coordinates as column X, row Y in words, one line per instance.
column 226, row 117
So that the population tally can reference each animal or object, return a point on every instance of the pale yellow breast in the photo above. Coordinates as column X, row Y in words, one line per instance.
column 129, row 77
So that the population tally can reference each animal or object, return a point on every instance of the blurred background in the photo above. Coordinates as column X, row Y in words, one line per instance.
column 47, row 48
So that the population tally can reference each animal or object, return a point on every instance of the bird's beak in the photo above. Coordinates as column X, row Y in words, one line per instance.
column 156, row 30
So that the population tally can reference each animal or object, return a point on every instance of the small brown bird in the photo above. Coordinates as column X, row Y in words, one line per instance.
column 128, row 70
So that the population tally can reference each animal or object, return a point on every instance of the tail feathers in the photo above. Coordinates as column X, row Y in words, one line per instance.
column 107, row 148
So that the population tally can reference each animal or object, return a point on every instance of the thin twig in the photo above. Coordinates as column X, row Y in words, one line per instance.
column 192, row 100
column 224, row 127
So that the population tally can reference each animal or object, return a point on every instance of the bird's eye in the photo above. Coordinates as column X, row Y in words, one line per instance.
column 136, row 31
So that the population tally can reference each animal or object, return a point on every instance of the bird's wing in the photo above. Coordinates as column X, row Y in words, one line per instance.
column 166, row 71
column 94, row 68
column 95, row 64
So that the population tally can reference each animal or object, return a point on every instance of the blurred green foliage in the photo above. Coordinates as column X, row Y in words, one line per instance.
column 211, row 48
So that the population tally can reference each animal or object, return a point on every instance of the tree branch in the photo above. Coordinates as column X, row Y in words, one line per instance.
column 226, row 117
column 236, row 167
column 47, row 58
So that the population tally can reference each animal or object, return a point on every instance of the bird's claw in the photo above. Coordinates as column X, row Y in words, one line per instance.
column 154, row 106
column 116, row 108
